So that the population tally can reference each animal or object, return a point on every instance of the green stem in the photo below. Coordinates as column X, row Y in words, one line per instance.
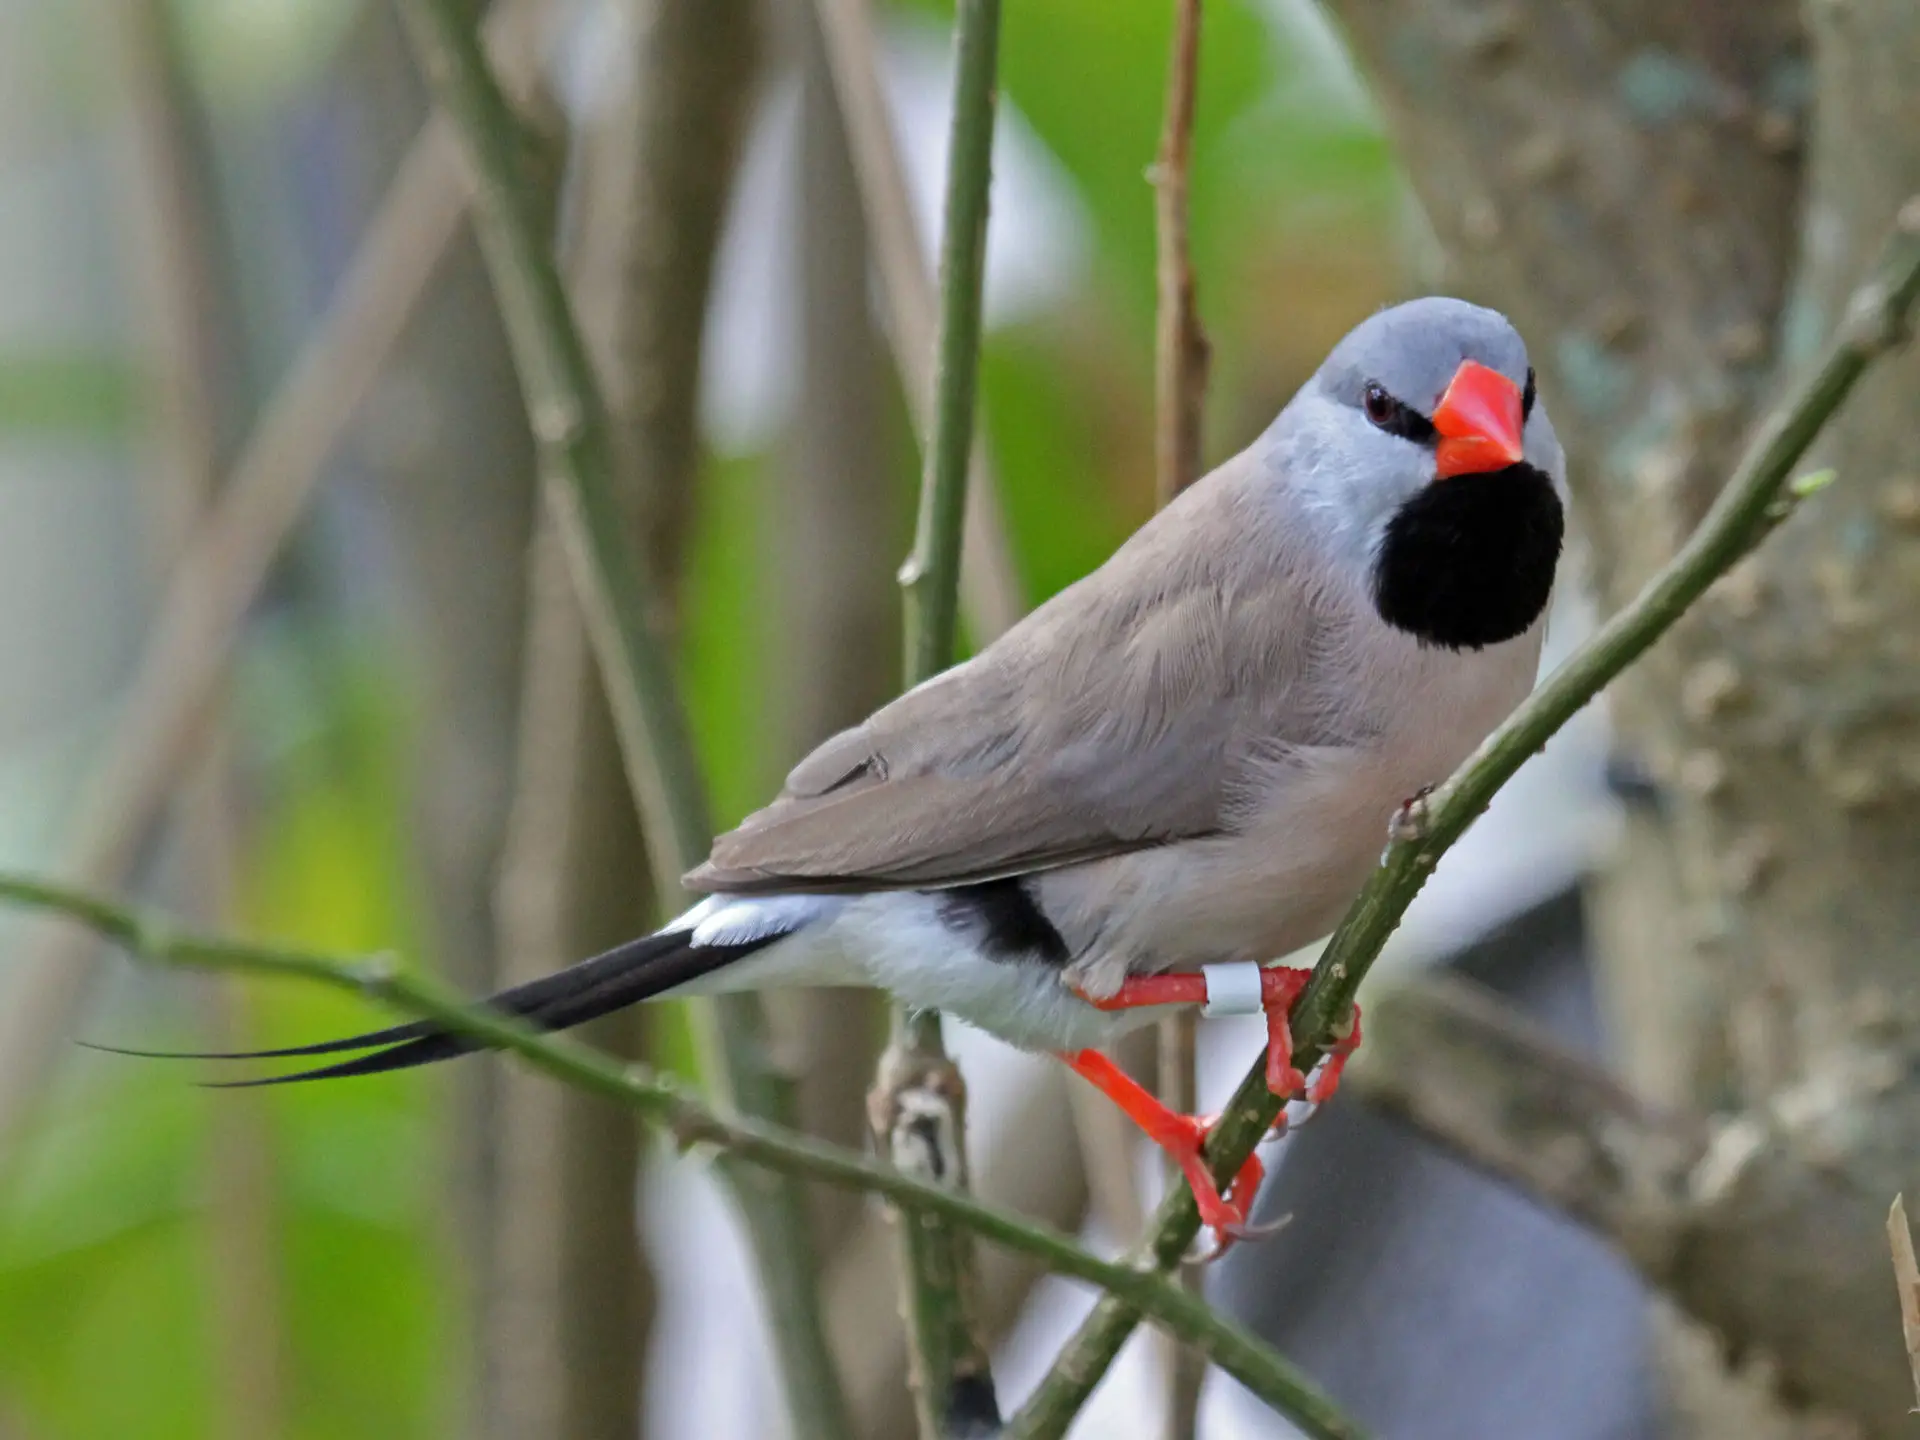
column 1753, row 502
column 931, row 576
column 692, row 1122
column 618, row 598
column 937, row 1267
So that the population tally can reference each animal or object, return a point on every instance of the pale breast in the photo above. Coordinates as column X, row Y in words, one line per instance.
column 1311, row 829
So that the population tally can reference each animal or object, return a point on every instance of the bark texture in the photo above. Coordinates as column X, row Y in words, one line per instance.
column 1672, row 202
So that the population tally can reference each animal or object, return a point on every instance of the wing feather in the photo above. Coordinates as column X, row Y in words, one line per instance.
column 1114, row 718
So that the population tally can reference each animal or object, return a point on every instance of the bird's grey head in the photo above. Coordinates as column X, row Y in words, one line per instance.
column 1422, row 448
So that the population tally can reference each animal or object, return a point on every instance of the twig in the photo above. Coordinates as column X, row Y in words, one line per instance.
column 221, row 569
column 931, row 574
column 1023, row 1164
column 990, row 593
column 1906, row 1274
column 691, row 1122
column 1180, row 389
column 936, row 1269
column 1755, row 500
column 1181, row 352
column 571, row 432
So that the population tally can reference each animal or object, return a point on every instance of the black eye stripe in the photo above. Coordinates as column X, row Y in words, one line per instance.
column 1527, row 398
column 1396, row 417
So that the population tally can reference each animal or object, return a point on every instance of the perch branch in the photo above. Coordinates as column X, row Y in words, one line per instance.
column 692, row 1123
column 1755, row 500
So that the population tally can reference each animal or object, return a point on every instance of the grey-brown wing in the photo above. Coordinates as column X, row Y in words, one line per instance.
column 1114, row 718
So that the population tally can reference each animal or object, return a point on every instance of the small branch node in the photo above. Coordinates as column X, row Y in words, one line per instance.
column 1411, row 821
column 558, row 422
column 917, row 1109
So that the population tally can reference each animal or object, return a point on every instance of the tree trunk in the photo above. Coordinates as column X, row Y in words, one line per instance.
column 1672, row 202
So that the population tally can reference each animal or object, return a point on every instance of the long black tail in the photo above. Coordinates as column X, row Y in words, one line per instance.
column 635, row 971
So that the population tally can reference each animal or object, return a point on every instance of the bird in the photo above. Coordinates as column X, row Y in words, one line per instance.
column 1170, row 774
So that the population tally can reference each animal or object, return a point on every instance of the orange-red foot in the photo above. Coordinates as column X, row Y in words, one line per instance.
column 1183, row 1137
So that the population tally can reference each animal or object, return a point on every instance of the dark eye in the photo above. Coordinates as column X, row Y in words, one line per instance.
column 1391, row 416
column 1381, row 407
column 1527, row 398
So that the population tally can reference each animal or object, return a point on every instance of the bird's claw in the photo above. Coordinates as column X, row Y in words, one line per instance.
column 1224, row 1238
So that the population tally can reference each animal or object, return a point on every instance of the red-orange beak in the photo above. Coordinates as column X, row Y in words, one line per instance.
column 1479, row 421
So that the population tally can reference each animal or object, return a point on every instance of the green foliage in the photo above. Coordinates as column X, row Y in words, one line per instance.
column 108, row 1231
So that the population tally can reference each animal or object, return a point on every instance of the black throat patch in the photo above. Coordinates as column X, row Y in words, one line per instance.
column 1469, row 561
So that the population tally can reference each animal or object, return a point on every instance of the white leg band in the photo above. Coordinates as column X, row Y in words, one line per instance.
column 1232, row 989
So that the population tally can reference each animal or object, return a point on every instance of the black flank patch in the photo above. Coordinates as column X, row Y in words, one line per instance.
column 1012, row 926
column 1469, row 561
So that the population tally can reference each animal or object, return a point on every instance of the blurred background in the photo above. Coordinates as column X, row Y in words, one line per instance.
column 233, row 263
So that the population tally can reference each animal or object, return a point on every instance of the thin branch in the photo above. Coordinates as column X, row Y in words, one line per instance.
column 571, row 430
column 919, row 1091
column 691, row 1122
column 1755, row 500
column 931, row 574
column 1181, row 351
column 990, row 593
column 1024, row 1165
column 164, row 715
column 1180, row 390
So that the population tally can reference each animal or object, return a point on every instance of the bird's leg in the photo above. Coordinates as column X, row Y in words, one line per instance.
column 1228, row 990
column 1184, row 1138
column 1279, row 988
